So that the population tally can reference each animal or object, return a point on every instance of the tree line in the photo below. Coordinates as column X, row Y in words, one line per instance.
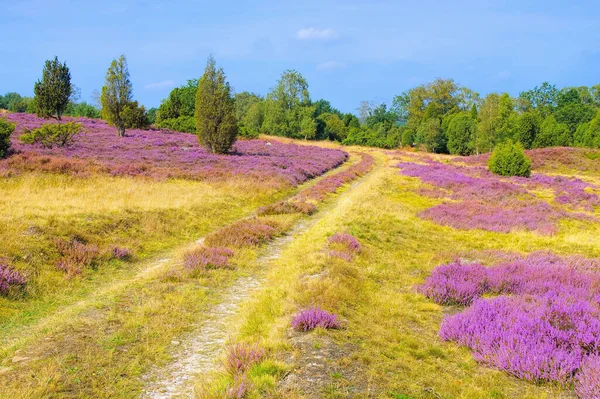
column 440, row 116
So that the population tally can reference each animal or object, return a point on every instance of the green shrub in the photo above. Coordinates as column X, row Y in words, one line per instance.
column 185, row 124
column 6, row 129
column 52, row 134
column 509, row 159
column 134, row 116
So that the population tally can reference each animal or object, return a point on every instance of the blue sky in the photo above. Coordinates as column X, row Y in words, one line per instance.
column 348, row 50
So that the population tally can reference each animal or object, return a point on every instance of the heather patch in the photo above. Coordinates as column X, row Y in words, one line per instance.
column 542, row 322
column 330, row 184
column 249, row 232
column 75, row 255
column 203, row 258
column 161, row 154
column 488, row 202
column 314, row 317
column 9, row 278
column 343, row 246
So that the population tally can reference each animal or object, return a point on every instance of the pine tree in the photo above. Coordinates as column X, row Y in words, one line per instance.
column 53, row 91
column 216, row 124
column 116, row 94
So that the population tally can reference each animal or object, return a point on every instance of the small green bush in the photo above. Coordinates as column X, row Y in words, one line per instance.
column 52, row 134
column 6, row 129
column 509, row 159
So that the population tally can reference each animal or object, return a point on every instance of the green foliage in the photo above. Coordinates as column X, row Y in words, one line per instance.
column 181, row 102
column 497, row 120
column 134, row 116
column 6, row 129
column 52, row 93
column 509, row 159
column 52, row 134
column 408, row 138
column 543, row 99
column 82, row 109
column 249, row 113
column 283, row 107
column 552, row 134
column 431, row 136
column 14, row 102
column 527, row 128
column 151, row 114
column 116, row 94
column 186, row 124
column 334, row 128
column 461, row 132
column 588, row 134
column 215, row 110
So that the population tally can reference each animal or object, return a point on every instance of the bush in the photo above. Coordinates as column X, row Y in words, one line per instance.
column 311, row 318
column 134, row 116
column 185, row 124
column 6, row 129
column 52, row 134
column 509, row 159
column 75, row 255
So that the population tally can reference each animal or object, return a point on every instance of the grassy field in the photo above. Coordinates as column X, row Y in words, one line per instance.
column 122, row 327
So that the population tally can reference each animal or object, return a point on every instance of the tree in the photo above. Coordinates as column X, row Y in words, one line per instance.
column 334, row 127
column 181, row 102
column 52, row 93
column 135, row 116
column 117, row 93
column 461, row 133
column 6, row 129
column 509, row 159
column 215, row 110
column 588, row 134
column 543, row 99
column 497, row 119
column 283, row 112
column 527, row 128
column 430, row 134
column 552, row 134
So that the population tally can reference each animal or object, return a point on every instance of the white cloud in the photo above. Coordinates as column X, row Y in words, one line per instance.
column 316, row 34
column 504, row 75
column 160, row 85
column 331, row 65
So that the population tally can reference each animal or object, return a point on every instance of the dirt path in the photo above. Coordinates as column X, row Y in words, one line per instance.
column 199, row 352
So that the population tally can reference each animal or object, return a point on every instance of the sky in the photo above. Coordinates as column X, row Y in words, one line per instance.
column 348, row 50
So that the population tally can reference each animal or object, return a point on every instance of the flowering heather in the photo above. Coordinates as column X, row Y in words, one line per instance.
column 492, row 203
column 204, row 258
column 160, row 154
column 75, row 255
column 344, row 246
column 548, row 159
column 456, row 283
column 242, row 356
column 536, row 216
column 587, row 385
column 287, row 207
column 539, row 338
column 330, row 184
column 311, row 318
column 541, row 325
column 249, row 232
column 9, row 278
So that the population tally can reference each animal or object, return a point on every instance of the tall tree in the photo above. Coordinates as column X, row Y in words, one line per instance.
column 461, row 133
column 52, row 93
column 117, row 94
column 283, row 112
column 215, row 110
